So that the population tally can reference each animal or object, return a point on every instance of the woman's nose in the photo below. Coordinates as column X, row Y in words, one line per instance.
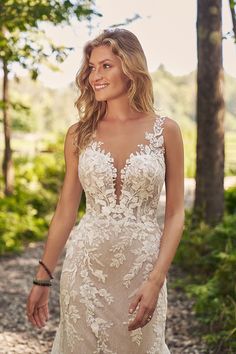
column 97, row 75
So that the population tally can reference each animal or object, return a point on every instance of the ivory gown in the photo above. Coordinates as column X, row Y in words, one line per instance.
column 112, row 251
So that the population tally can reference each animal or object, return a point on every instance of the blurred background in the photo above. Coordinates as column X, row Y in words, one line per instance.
column 191, row 53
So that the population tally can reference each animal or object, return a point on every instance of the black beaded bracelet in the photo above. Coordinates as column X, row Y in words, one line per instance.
column 46, row 268
column 42, row 282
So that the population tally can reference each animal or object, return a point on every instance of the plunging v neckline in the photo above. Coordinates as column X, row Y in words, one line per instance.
column 122, row 172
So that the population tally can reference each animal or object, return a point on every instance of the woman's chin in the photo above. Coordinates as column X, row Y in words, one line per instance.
column 100, row 99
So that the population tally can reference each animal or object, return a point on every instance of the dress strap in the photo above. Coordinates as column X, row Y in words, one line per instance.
column 156, row 137
column 159, row 125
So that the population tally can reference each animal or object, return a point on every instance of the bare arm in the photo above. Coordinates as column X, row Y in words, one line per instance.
column 148, row 292
column 65, row 214
column 174, row 212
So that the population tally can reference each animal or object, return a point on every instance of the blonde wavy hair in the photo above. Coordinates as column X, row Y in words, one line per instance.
column 126, row 46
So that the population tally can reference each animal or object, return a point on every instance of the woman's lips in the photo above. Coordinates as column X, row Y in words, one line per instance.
column 100, row 87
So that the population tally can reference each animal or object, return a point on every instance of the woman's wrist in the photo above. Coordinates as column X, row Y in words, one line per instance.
column 42, row 274
column 157, row 278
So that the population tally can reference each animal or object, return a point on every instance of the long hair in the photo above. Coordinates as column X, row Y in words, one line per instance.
column 127, row 47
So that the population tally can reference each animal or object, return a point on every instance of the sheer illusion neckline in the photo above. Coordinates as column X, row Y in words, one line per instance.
column 147, row 135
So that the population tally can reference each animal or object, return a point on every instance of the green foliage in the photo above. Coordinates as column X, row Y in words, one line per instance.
column 208, row 257
column 230, row 200
column 25, row 216
column 20, row 219
column 22, row 119
column 20, row 23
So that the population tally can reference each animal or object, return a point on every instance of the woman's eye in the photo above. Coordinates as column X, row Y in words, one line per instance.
column 92, row 68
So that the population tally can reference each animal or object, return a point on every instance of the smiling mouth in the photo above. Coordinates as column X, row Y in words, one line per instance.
column 100, row 87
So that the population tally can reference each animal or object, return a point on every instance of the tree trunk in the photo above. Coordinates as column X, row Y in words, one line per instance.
column 232, row 4
column 7, row 165
column 209, row 195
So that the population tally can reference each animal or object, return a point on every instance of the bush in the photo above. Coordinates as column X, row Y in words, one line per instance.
column 25, row 215
column 210, row 253
column 230, row 200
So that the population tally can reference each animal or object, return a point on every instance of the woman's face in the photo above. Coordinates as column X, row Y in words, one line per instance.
column 106, row 75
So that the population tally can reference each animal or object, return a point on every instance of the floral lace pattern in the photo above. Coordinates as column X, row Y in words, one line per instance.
column 112, row 251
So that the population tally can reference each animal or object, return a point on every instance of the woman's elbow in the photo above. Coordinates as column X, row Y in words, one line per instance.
column 177, row 215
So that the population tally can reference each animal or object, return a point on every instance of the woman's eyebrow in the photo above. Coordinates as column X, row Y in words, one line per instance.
column 102, row 61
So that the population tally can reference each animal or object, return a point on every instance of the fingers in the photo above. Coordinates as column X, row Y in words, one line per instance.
column 146, row 318
column 39, row 316
column 30, row 313
column 140, row 320
column 45, row 312
column 37, row 306
column 136, row 323
column 134, row 303
column 36, row 318
column 143, row 316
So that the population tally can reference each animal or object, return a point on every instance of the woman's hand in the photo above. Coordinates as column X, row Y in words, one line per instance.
column 146, row 296
column 37, row 305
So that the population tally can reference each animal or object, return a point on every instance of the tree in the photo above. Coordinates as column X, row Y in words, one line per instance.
column 22, row 41
column 232, row 4
column 209, row 194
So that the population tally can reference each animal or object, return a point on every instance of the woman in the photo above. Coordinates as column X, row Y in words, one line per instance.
column 113, row 283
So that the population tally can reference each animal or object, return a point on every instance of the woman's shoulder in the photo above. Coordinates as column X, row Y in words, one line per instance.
column 169, row 123
column 171, row 126
column 171, row 132
column 72, row 128
column 71, row 131
column 70, row 138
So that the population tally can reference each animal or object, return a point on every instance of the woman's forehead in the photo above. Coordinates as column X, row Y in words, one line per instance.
column 101, row 54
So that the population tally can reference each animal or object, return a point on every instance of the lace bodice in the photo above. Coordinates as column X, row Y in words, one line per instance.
column 141, row 178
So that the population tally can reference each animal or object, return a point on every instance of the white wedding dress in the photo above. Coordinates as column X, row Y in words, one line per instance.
column 112, row 251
